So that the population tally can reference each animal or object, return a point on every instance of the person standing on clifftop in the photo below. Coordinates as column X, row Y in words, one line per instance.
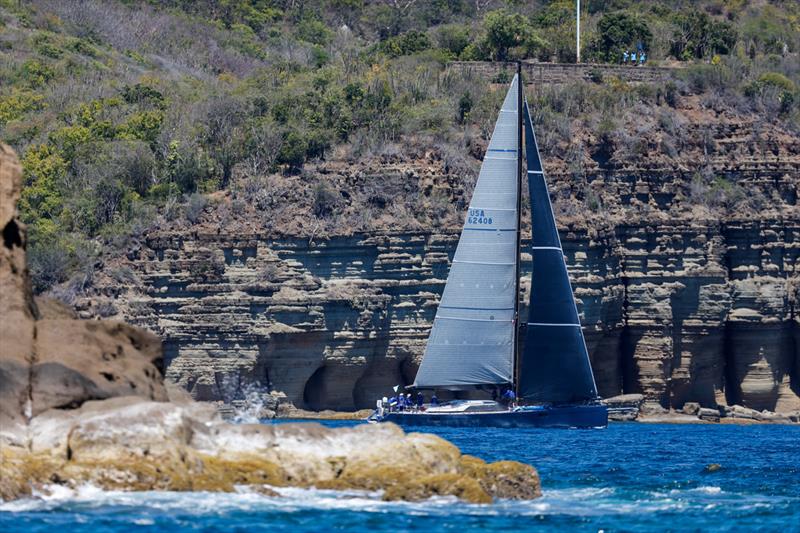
column 625, row 57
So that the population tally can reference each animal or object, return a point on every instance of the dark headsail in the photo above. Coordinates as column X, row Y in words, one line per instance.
column 554, row 365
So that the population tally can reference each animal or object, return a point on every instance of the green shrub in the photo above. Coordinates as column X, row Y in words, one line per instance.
column 44, row 170
column 44, row 45
column 405, row 44
column 35, row 73
column 778, row 80
column 140, row 93
column 187, row 166
column 21, row 101
column 464, row 107
column 144, row 125
column 314, row 31
column 504, row 76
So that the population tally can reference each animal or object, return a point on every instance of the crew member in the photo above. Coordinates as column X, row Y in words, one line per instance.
column 509, row 398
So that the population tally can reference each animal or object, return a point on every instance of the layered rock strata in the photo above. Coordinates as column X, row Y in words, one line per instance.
column 703, row 313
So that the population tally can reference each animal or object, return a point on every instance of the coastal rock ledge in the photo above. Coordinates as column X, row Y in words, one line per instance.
column 84, row 402
column 131, row 443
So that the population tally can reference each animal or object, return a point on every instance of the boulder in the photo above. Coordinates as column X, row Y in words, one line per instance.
column 691, row 408
column 81, row 360
column 711, row 415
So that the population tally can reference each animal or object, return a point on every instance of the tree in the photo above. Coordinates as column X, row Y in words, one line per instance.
column 697, row 36
column 505, row 31
column 617, row 32
column 293, row 150
column 225, row 133
column 453, row 38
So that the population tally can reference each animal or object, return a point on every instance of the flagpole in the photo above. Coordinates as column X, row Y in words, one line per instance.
column 578, row 31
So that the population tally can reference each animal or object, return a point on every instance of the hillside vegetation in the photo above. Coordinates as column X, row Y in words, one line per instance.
column 131, row 115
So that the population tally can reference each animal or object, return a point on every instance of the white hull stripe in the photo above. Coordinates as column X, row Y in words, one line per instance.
column 546, row 248
column 535, row 172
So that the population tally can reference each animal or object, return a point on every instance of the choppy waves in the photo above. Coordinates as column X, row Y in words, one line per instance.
column 626, row 478
column 568, row 502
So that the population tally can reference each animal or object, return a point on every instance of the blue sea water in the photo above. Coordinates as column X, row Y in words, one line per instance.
column 629, row 477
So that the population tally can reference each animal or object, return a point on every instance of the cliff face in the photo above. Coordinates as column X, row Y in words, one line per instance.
column 680, row 229
column 701, row 313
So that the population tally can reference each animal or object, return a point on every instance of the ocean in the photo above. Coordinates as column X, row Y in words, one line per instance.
column 629, row 477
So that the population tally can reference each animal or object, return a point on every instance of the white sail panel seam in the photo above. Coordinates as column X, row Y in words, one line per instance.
column 470, row 319
column 482, row 263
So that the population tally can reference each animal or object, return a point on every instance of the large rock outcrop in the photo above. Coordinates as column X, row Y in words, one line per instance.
column 134, row 444
column 49, row 358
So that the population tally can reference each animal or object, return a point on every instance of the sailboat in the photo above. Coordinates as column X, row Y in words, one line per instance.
column 476, row 342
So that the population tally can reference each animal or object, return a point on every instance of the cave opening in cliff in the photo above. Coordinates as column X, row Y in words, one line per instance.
column 11, row 235
column 315, row 391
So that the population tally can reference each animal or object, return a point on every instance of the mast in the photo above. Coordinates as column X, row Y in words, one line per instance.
column 515, row 383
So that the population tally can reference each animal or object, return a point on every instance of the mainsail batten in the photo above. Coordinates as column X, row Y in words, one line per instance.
column 554, row 364
column 471, row 341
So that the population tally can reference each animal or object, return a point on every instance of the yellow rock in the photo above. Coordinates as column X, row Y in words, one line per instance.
column 135, row 444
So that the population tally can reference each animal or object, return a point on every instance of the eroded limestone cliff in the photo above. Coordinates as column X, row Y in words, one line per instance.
column 680, row 230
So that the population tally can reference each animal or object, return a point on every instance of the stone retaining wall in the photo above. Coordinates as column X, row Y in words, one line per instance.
column 555, row 73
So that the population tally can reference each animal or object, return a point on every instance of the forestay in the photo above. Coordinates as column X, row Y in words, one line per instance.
column 554, row 366
column 472, row 335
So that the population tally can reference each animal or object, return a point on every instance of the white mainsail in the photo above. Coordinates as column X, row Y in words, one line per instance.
column 471, row 341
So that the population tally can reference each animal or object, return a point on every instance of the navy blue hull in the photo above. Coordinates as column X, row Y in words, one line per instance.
column 576, row 416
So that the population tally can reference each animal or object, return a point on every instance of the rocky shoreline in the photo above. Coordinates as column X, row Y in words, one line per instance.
column 85, row 402
column 635, row 408
column 130, row 443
